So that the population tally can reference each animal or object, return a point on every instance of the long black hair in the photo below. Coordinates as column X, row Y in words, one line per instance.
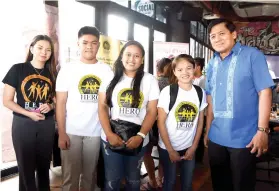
column 118, row 73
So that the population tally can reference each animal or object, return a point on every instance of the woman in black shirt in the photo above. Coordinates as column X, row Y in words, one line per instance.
column 33, row 127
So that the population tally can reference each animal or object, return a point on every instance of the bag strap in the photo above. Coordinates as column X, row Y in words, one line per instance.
column 173, row 94
column 199, row 92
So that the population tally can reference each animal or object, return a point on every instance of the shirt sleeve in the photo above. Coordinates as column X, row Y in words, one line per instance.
column 164, row 99
column 204, row 103
column 202, row 82
column 208, row 86
column 11, row 77
column 106, row 80
column 154, row 89
column 62, row 81
column 260, row 72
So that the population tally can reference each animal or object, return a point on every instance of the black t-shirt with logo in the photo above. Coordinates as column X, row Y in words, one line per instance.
column 33, row 86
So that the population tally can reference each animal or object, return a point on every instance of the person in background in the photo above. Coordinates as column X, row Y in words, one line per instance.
column 163, row 72
column 275, row 93
column 163, row 80
column 131, row 89
column 79, row 128
column 271, row 72
column 180, row 127
column 33, row 83
column 238, row 88
column 199, row 80
column 171, row 76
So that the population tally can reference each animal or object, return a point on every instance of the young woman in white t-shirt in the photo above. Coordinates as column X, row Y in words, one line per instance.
column 132, row 96
column 181, row 127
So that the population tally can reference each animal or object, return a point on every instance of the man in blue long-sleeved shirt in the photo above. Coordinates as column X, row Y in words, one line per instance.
column 239, row 97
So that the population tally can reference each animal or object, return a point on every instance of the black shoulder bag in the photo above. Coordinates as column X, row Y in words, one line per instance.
column 125, row 130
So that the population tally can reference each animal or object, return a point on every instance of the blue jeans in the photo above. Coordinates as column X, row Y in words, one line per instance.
column 118, row 166
column 186, row 171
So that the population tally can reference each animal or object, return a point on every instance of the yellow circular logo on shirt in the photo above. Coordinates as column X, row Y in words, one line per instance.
column 89, row 84
column 186, row 112
column 125, row 98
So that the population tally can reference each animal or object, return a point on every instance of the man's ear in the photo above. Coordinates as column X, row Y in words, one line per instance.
column 234, row 33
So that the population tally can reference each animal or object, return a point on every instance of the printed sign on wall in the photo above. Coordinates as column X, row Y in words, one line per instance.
column 109, row 49
column 167, row 49
column 263, row 35
column 145, row 7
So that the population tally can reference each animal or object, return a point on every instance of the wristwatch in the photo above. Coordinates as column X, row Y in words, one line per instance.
column 266, row 130
column 141, row 135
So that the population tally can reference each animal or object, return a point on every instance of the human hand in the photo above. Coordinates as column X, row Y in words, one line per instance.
column 36, row 116
column 64, row 141
column 45, row 108
column 115, row 140
column 259, row 143
column 174, row 156
column 134, row 142
column 189, row 154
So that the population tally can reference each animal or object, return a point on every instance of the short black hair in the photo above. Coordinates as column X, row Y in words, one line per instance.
column 162, row 63
column 229, row 24
column 89, row 30
column 199, row 62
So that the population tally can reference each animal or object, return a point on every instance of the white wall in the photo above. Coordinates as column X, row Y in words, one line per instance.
column 72, row 16
column 20, row 22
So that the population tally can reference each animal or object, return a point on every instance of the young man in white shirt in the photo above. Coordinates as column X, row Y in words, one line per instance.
column 77, row 112
column 199, row 78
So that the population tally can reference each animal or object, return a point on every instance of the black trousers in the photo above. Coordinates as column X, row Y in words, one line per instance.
column 33, row 143
column 56, row 154
column 232, row 169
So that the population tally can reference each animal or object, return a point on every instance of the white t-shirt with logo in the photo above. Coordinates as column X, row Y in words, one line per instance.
column 122, row 99
column 182, row 120
column 82, row 82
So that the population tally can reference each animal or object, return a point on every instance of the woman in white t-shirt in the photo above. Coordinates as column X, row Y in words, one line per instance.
column 181, row 127
column 132, row 96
